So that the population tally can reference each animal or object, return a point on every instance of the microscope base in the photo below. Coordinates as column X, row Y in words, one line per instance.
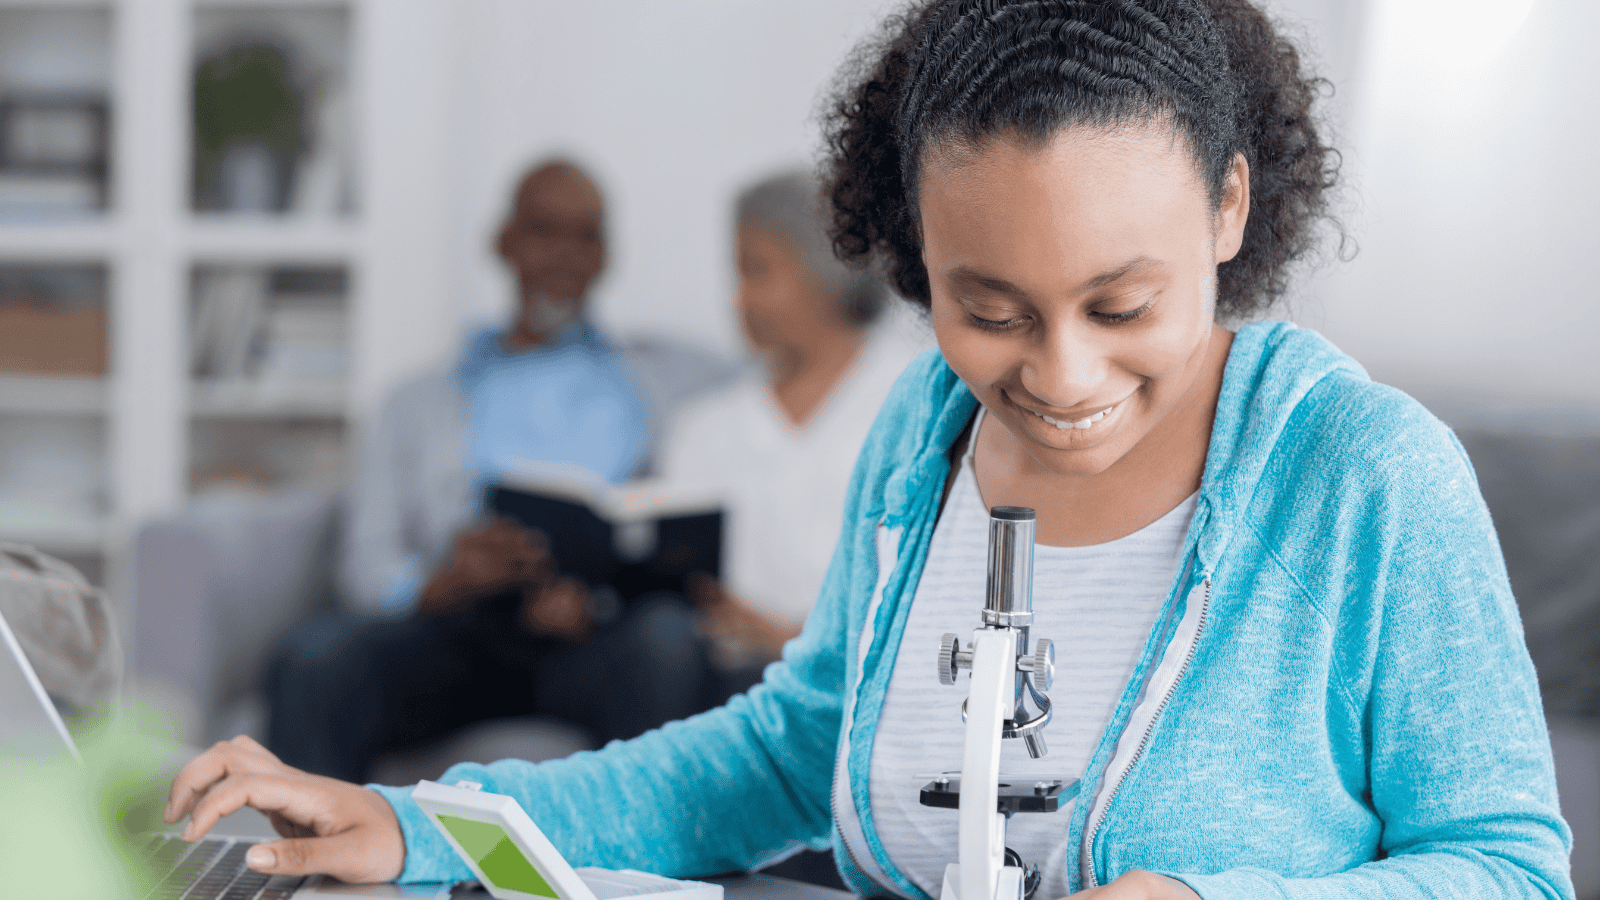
column 1007, row 887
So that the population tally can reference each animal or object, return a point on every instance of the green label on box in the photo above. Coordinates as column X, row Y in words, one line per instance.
column 501, row 863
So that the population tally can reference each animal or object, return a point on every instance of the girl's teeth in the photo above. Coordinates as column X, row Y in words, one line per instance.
column 1081, row 423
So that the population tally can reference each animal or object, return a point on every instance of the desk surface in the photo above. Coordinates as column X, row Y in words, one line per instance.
column 739, row 887
column 749, row 887
column 249, row 823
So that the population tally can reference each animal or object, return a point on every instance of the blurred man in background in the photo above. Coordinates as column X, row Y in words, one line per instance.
column 471, row 619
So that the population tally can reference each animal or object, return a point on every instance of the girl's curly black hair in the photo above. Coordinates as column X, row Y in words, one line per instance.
column 963, row 71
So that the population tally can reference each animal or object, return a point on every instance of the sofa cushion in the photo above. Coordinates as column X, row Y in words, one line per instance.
column 1544, row 493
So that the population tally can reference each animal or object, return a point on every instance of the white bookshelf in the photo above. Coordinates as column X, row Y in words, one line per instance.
column 149, row 423
column 56, row 242
column 147, row 411
column 305, row 399
column 216, row 238
column 66, row 395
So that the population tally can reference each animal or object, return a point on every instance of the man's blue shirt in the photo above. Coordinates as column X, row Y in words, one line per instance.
column 568, row 401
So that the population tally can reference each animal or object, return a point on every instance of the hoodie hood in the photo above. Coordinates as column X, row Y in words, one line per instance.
column 1271, row 368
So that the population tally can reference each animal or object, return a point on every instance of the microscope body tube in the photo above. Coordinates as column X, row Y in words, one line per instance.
column 1008, row 601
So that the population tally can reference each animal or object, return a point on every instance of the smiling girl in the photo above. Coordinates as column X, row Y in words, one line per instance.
column 1288, row 660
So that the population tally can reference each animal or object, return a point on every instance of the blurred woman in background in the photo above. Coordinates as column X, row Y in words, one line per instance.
column 779, row 445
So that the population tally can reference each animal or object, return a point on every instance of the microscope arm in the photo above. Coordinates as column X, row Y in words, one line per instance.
column 990, row 701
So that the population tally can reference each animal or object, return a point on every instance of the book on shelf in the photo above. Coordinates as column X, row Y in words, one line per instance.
column 51, row 339
column 305, row 336
column 252, row 325
column 227, row 316
column 29, row 197
column 53, row 320
column 54, row 153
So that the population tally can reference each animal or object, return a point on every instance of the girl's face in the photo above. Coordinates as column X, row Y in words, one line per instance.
column 1074, row 283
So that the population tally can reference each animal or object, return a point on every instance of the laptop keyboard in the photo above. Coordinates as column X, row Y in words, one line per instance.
column 211, row 869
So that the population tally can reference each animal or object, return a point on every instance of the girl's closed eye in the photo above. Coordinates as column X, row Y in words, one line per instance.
column 992, row 317
column 994, row 324
column 1123, row 318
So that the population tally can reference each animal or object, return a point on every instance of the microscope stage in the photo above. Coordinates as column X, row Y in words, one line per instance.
column 1018, row 793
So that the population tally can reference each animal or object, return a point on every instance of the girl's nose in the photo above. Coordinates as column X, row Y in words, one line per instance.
column 1065, row 369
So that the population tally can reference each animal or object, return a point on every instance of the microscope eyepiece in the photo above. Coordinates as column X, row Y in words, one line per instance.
column 1009, row 600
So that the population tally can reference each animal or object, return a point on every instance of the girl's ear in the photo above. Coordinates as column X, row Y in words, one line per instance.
column 1234, row 211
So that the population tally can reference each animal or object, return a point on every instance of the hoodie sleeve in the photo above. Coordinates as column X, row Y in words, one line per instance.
column 1440, row 683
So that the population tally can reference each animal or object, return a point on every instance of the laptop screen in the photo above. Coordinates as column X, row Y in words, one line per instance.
column 29, row 722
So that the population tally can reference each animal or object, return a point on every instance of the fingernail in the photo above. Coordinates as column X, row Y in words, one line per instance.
column 261, row 858
column 186, row 831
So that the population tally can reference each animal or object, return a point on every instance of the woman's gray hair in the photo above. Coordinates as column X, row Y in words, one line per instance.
column 790, row 204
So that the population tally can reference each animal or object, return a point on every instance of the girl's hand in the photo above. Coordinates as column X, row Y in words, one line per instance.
column 329, row 827
column 1139, row 886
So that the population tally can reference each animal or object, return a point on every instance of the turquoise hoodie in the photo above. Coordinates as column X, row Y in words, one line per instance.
column 1335, row 703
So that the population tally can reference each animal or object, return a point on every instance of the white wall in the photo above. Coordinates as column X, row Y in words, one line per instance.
column 674, row 105
column 1472, row 193
column 1477, row 285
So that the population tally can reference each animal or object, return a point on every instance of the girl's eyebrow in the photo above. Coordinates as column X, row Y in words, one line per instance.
column 969, row 275
column 1138, row 264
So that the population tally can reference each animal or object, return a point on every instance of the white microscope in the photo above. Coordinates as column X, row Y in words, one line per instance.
column 1006, row 700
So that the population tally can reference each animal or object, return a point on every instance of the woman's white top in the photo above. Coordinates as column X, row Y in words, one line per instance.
column 1097, row 604
column 783, row 485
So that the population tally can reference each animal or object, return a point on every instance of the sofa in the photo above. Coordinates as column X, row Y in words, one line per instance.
column 218, row 584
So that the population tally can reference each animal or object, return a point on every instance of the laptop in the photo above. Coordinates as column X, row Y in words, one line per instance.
column 212, row 868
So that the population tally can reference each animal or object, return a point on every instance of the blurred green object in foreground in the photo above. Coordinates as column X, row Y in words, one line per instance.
column 68, row 831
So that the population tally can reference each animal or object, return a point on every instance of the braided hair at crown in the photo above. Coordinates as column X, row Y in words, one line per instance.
column 963, row 71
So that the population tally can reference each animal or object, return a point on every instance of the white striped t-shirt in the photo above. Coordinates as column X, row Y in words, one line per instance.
column 1097, row 604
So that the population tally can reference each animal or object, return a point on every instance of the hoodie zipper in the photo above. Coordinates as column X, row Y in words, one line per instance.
column 833, row 809
column 888, row 558
column 1200, row 627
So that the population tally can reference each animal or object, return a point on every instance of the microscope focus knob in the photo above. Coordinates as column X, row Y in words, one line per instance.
column 1041, row 664
column 952, row 659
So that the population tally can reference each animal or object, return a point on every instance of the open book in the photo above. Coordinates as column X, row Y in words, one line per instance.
column 638, row 538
